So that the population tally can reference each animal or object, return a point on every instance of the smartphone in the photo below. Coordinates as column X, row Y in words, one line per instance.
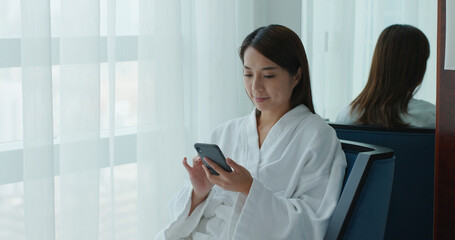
column 212, row 152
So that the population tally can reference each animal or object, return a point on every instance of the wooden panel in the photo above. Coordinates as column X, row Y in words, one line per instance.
column 444, row 225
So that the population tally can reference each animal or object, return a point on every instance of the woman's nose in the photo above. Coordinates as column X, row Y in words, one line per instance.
column 257, row 84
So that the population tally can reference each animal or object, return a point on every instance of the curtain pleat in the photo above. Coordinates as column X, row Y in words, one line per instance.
column 160, row 131
column 79, row 119
column 111, row 48
column 38, row 152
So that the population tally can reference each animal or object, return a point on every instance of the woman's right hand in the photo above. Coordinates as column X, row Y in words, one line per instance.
column 199, row 180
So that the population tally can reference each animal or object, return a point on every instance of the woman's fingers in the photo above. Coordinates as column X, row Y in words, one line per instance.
column 197, row 161
column 233, row 165
column 185, row 164
column 239, row 181
column 207, row 173
column 215, row 166
column 214, row 179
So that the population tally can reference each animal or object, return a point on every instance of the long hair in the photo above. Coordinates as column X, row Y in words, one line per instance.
column 398, row 67
column 282, row 46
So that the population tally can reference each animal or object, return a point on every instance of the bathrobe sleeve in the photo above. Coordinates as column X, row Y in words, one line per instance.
column 183, row 225
column 310, row 199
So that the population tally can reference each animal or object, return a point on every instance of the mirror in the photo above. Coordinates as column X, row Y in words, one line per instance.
column 340, row 37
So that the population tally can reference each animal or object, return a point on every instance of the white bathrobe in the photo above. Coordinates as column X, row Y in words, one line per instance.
column 298, row 174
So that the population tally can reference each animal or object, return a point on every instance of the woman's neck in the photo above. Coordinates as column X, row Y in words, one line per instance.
column 267, row 118
column 265, row 121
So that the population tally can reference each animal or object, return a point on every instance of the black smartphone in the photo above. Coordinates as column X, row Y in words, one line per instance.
column 212, row 152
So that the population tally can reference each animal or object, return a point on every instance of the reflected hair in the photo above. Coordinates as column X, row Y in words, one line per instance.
column 397, row 70
column 284, row 47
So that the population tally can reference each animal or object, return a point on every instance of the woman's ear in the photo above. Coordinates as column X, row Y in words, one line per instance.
column 296, row 77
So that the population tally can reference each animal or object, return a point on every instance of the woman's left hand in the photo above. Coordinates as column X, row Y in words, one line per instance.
column 239, row 180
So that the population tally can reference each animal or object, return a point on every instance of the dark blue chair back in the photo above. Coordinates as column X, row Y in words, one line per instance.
column 411, row 204
column 361, row 212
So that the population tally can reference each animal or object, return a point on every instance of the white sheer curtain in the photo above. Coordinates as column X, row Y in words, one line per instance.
column 38, row 154
column 114, row 93
column 79, row 119
column 189, row 81
column 340, row 37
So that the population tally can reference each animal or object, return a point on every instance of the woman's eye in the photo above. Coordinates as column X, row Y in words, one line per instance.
column 269, row 76
column 247, row 75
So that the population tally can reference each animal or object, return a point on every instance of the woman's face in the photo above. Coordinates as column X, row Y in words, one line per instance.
column 268, row 85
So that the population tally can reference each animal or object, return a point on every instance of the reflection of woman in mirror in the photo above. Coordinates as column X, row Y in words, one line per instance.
column 289, row 165
column 397, row 70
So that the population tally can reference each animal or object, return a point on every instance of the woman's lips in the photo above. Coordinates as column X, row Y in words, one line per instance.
column 259, row 99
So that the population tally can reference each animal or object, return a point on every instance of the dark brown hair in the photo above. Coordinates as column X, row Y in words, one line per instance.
column 282, row 46
column 398, row 67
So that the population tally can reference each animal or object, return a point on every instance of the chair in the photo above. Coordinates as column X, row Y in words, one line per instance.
column 411, row 204
column 361, row 212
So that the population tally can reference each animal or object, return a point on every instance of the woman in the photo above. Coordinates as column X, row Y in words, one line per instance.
column 399, row 64
column 290, row 165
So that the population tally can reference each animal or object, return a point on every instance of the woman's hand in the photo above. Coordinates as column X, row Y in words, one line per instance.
column 239, row 180
column 201, row 185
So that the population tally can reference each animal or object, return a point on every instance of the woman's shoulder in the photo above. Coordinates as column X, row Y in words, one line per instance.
column 315, row 125
column 314, row 132
column 345, row 116
column 421, row 105
column 420, row 114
